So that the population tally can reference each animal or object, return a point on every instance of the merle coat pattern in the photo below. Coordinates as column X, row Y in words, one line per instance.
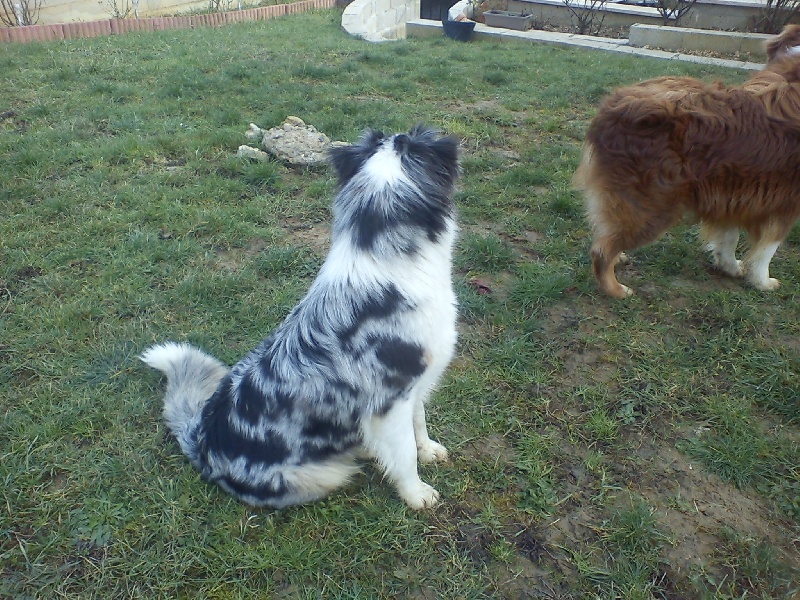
column 349, row 370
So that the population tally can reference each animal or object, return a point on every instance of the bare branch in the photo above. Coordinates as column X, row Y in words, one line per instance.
column 776, row 14
column 673, row 10
column 17, row 13
column 588, row 18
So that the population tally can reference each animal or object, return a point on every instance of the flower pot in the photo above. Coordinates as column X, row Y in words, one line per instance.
column 459, row 30
column 508, row 20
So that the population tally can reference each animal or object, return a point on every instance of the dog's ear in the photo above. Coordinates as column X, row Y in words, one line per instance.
column 441, row 152
column 348, row 160
column 447, row 149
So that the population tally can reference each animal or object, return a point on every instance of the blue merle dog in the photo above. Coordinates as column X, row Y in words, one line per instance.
column 348, row 372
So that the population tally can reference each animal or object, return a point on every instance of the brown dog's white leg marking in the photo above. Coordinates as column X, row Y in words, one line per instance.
column 722, row 242
column 757, row 266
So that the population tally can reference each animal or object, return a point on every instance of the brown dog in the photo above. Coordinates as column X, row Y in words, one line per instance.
column 675, row 145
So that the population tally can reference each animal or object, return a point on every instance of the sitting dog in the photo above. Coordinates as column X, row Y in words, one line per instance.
column 729, row 155
column 349, row 370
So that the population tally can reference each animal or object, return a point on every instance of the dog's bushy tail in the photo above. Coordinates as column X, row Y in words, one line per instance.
column 192, row 378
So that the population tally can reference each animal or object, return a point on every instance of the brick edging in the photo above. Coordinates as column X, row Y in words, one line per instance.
column 64, row 31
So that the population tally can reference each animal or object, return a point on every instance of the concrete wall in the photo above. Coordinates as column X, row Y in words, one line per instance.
column 698, row 40
column 556, row 14
column 379, row 20
column 705, row 14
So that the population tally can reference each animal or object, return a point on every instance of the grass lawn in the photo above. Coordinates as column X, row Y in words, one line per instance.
column 600, row 449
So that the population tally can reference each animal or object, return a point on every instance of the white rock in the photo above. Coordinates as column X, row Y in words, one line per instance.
column 250, row 152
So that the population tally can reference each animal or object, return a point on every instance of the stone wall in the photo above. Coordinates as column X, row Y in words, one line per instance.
column 379, row 20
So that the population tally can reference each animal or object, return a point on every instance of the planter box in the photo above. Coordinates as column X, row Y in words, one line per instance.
column 508, row 20
column 459, row 30
column 699, row 40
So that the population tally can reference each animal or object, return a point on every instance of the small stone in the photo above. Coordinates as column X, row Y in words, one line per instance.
column 250, row 152
column 255, row 133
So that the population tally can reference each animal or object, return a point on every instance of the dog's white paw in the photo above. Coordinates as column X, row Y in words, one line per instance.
column 420, row 496
column 734, row 267
column 736, row 270
column 621, row 292
column 431, row 451
column 770, row 284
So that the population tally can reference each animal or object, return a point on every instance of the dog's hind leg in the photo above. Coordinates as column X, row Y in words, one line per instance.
column 390, row 440
column 607, row 248
column 624, row 220
column 308, row 482
column 757, row 265
column 605, row 256
column 765, row 239
column 721, row 242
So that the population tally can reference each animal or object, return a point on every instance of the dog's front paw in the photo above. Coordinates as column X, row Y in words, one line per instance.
column 732, row 267
column 430, row 451
column 736, row 269
column 420, row 496
column 619, row 291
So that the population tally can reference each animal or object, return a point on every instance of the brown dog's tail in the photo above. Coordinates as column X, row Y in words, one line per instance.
column 581, row 176
column 785, row 43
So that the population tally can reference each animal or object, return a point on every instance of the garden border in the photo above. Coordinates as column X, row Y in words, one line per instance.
column 88, row 29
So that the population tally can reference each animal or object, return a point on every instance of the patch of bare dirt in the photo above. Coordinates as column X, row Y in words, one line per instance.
column 536, row 569
column 494, row 448
column 317, row 236
column 232, row 259
column 695, row 505
column 563, row 322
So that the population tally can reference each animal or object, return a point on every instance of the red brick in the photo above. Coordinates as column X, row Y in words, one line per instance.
column 53, row 32
column 35, row 32
column 103, row 27
column 20, row 34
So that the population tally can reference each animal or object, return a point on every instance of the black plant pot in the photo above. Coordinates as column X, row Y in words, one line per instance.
column 459, row 30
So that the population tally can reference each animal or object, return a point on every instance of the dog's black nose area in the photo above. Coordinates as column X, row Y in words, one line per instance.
column 401, row 143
